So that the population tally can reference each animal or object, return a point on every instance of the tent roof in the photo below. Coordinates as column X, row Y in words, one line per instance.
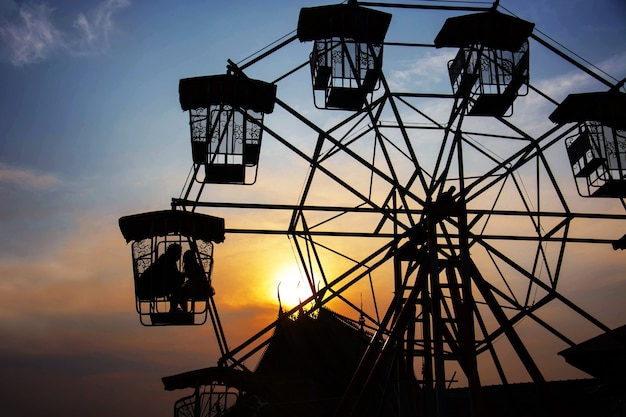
column 229, row 89
column 343, row 20
column 313, row 346
column 491, row 29
column 607, row 107
column 161, row 223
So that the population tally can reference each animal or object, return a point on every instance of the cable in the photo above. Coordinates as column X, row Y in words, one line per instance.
column 266, row 47
column 567, row 49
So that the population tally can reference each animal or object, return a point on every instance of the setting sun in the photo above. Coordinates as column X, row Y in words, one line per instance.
column 290, row 286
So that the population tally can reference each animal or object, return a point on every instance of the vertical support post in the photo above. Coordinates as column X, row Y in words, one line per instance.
column 435, row 312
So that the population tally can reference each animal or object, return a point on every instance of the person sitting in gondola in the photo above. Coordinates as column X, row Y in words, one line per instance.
column 198, row 285
column 162, row 278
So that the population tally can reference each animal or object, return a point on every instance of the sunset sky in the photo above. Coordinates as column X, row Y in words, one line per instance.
column 91, row 130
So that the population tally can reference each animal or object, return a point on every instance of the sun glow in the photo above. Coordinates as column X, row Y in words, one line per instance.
column 291, row 286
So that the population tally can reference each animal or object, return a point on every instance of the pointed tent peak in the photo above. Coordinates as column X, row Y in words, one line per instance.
column 230, row 89
column 344, row 21
column 161, row 223
column 491, row 29
column 605, row 107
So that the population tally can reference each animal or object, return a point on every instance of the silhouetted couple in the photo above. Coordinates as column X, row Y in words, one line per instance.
column 163, row 279
column 197, row 285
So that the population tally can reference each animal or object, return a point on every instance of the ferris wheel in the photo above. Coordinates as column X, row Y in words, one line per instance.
column 440, row 222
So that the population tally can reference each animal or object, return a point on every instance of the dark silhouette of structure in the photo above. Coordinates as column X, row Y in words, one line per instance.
column 469, row 241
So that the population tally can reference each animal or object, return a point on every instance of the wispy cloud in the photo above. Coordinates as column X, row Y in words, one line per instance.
column 25, row 178
column 93, row 27
column 30, row 33
column 574, row 81
column 30, row 36
column 424, row 71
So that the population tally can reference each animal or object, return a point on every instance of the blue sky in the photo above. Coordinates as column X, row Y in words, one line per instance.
column 91, row 130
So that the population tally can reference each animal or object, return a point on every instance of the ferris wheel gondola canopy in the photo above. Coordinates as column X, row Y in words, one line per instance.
column 161, row 223
column 490, row 29
column 343, row 21
column 229, row 89
column 243, row 380
column 605, row 107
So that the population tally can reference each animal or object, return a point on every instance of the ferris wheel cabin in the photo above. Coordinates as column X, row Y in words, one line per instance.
column 347, row 55
column 164, row 245
column 597, row 152
column 491, row 68
column 225, row 119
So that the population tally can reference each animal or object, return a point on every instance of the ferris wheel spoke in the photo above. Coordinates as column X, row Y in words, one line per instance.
column 512, row 336
column 338, row 180
column 514, row 162
column 404, row 133
column 486, row 340
column 553, row 293
column 516, row 266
